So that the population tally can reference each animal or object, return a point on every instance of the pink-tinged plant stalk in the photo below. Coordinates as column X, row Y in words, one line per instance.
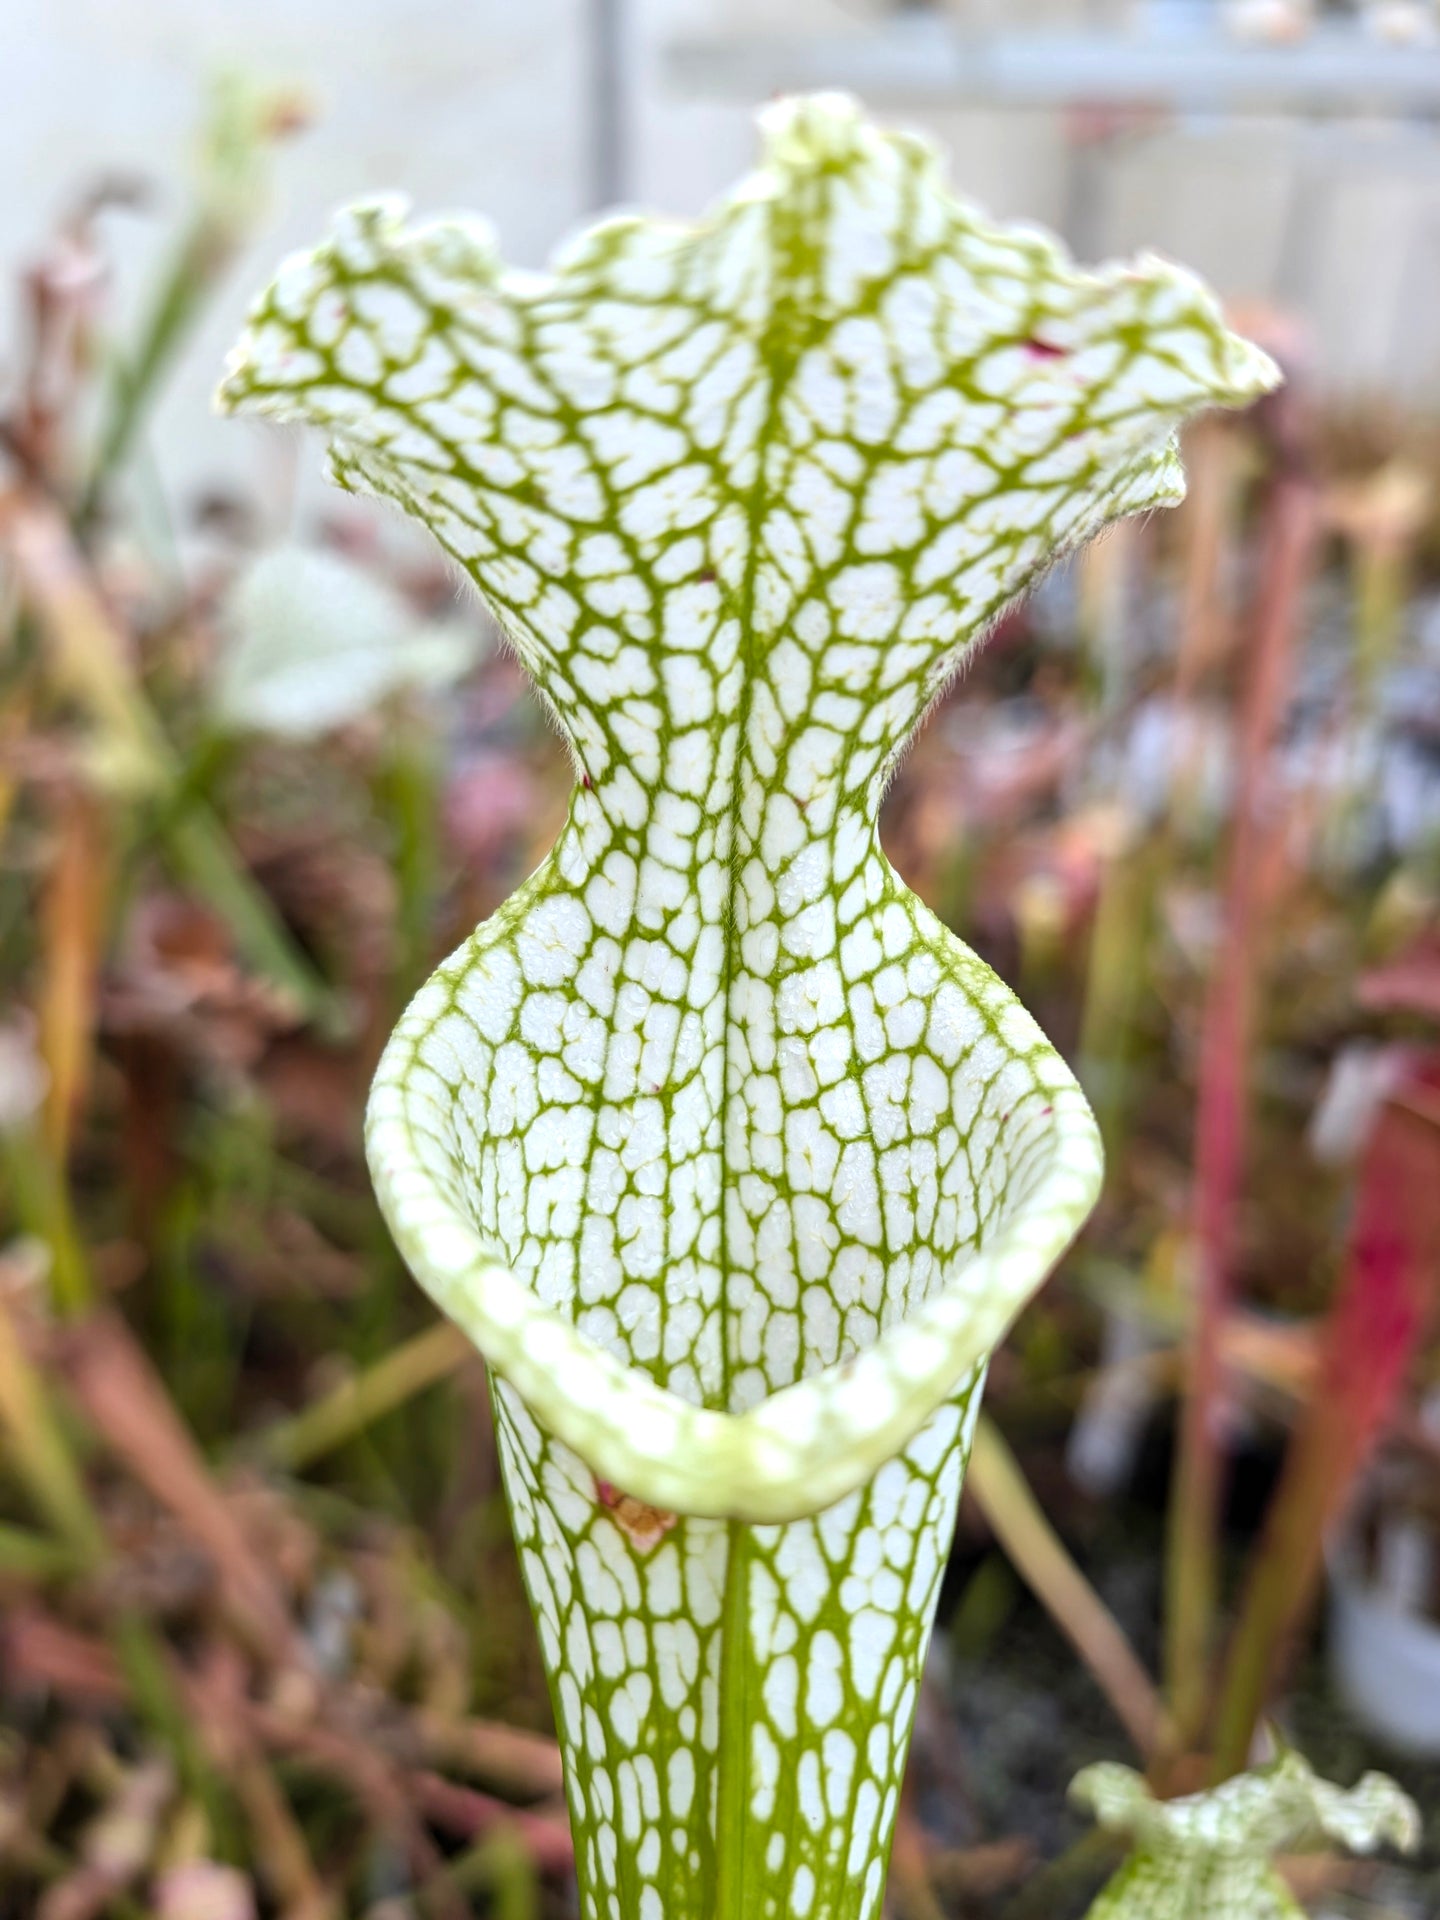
column 1287, row 553
column 1385, row 1303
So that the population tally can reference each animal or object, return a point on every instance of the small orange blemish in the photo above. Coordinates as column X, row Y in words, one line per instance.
column 645, row 1525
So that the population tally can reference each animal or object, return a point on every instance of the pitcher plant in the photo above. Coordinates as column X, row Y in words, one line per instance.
column 729, row 1157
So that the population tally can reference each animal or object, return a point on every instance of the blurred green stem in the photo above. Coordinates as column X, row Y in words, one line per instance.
column 498, row 1866
column 135, row 383
column 146, row 1667
column 41, row 1452
column 205, row 859
column 1114, row 983
column 1052, row 1890
column 40, row 1196
column 1040, row 1557
column 368, row 1396
column 244, row 123
column 34, row 1556
column 408, row 796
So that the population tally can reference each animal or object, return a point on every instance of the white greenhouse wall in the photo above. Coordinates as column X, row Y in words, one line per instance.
column 487, row 104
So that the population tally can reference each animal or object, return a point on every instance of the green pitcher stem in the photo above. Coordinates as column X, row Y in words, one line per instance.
column 734, row 1701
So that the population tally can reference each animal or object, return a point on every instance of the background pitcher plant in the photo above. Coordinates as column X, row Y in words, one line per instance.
column 730, row 1158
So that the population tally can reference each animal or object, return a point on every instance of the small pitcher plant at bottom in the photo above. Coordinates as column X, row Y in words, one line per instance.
column 1211, row 1856
column 731, row 1159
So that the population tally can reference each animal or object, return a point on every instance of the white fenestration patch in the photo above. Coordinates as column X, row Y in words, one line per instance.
column 732, row 1160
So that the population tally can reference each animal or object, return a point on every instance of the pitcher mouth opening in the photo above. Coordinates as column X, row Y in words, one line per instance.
column 802, row 1446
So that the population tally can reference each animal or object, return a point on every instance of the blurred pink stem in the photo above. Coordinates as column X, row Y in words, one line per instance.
column 1287, row 545
column 1379, row 1316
